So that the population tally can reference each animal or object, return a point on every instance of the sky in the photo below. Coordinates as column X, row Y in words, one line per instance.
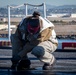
column 51, row 2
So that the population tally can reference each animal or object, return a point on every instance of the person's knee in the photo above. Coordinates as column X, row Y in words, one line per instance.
column 38, row 51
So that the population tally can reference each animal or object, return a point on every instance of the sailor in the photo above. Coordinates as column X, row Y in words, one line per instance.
column 36, row 35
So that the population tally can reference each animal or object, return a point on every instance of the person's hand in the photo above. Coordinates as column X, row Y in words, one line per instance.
column 32, row 40
column 30, row 37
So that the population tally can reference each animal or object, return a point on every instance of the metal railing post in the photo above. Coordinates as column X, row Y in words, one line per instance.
column 44, row 8
column 25, row 9
column 9, row 32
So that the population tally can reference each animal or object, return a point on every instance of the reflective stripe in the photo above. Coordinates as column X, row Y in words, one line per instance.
column 5, row 43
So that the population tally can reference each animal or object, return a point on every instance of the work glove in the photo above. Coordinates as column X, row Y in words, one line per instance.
column 31, row 37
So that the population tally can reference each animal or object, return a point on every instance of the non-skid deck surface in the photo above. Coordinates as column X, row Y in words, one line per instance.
column 62, row 66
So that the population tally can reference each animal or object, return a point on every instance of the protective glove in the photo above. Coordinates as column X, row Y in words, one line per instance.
column 30, row 37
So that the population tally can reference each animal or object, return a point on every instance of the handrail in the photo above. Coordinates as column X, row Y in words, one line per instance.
column 33, row 5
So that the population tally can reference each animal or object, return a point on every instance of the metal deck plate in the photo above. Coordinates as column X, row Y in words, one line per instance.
column 62, row 66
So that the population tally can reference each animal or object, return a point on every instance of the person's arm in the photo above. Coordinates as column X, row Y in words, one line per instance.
column 43, row 36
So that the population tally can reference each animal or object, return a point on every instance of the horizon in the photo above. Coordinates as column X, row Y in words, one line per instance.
column 4, row 3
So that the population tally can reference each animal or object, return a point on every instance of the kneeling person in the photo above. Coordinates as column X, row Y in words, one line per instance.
column 34, row 34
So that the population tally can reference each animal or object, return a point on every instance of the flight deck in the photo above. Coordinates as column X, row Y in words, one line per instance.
column 65, row 64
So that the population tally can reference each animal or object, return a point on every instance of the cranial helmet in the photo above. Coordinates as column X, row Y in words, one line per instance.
column 36, row 13
column 33, row 26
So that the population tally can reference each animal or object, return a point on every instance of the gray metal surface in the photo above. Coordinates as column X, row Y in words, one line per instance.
column 62, row 66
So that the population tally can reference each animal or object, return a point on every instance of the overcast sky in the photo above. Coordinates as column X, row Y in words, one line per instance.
column 51, row 2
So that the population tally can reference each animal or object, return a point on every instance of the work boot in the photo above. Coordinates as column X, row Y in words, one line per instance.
column 15, row 61
column 24, row 64
column 48, row 66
